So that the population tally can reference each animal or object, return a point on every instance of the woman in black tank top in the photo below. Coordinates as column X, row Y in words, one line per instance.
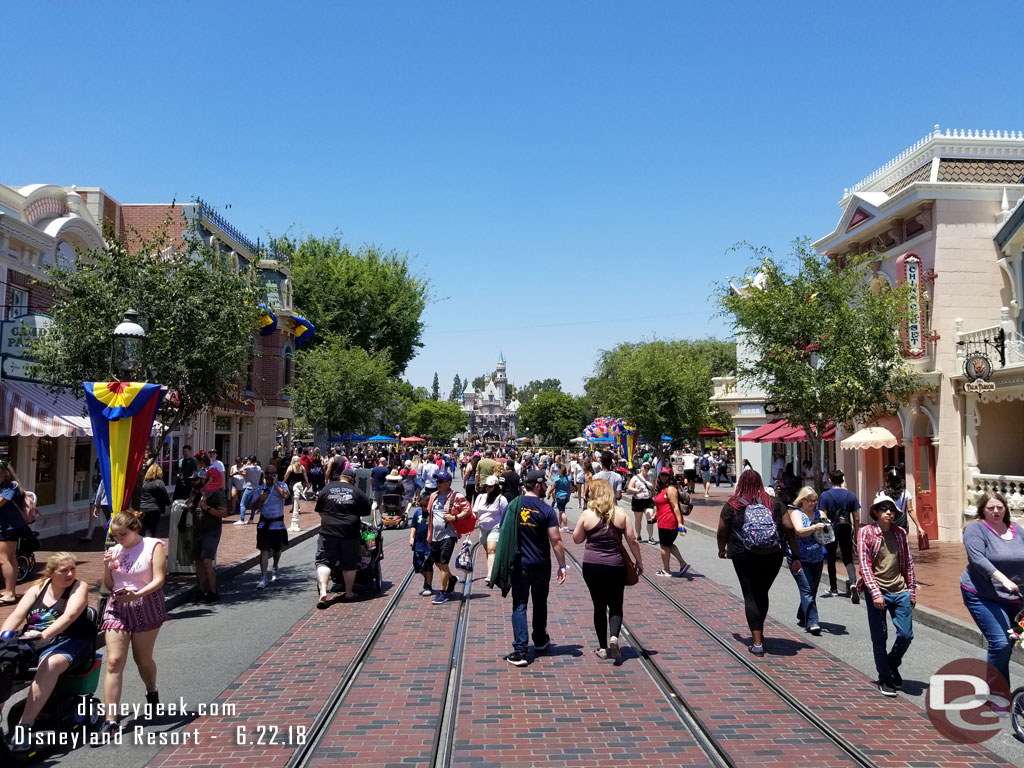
column 51, row 616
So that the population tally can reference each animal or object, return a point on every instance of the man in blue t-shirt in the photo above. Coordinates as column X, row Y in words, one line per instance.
column 379, row 473
column 531, row 573
column 843, row 510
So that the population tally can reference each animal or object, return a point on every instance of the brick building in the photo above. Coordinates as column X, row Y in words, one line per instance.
column 47, row 439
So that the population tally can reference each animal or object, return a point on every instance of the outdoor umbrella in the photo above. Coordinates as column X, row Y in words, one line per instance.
column 413, row 439
column 381, row 439
column 870, row 437
column 578, row 440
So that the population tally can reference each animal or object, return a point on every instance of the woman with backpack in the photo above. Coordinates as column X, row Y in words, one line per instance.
column 751, row 530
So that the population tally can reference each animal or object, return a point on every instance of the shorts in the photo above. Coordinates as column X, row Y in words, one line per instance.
column 11, row 531
column 142, row 615
column 335, row 552
column 74, row 649
column 690, row 475
column 422, row 562
column 441, row 551
column 706, row 474
column 639, row 505
column 492, row 536
column 560, row 503
column 667, row 536
column 204, row 545
column 272, row 539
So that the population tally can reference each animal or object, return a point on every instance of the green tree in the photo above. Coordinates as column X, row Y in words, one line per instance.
column 662, row 386
column 342, row 388
column 555, row 415
column 479, row 383
column 368, row 295
column 530, row 390
column 440, row 419
column 822, row 345
column 199, row 313
column 457, row 387
column 435, row 388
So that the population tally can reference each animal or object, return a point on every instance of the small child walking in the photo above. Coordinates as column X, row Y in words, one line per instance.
column 422, row 562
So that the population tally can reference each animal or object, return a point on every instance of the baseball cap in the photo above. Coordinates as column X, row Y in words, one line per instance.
column 535, row 476
column 492, row 480
column 348, row 472
column 443, row 477
column 408, row 463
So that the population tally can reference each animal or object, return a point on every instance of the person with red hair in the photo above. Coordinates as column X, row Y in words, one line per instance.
column 751, row 530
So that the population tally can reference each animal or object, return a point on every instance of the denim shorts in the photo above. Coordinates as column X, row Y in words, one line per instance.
column 74, row 649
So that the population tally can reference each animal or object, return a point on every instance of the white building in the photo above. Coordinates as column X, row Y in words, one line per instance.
column 488, row 413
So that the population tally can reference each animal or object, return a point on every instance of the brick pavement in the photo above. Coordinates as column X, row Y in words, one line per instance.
column 287, row 686
column 839, row 693
column 237, row 544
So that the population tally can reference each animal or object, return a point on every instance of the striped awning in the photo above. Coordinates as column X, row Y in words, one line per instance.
column 30, row 410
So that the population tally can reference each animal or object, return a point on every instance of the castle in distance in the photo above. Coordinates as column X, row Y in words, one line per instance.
column 488, row 413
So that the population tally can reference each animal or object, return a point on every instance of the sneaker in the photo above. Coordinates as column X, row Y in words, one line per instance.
column 239, row 522
column 662, row 573
column 613, row 648
column 440, row 599
column 211, row 597
column 855, row 597
column 684, row 569
column 106, row 733
column 652, row 541
column 886, row 689
column 601, row 653
column 20, row 740
column 517, row 659
column 757, row 650
column 541, row 647
column 815, row 630
column 452, row 582
column 273, row 575
column 426, row 592
column 832, row 591
column 262, row 584
column 897, row 679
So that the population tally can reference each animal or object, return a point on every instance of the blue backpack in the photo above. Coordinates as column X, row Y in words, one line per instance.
column 759, row 531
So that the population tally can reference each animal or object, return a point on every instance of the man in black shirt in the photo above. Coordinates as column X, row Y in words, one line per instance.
column 340, row 505
column 183, row 474
column 510, row 481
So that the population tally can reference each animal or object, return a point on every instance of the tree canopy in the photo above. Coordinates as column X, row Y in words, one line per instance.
column 556, row 415
column 821, row 344
column 435, row 388
column 457, row 387
column 662, row 386
column 200, row 315
column 528, row 392
column 439, row 418
column 368, row 295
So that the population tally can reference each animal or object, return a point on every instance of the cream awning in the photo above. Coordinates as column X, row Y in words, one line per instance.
column 869, row 437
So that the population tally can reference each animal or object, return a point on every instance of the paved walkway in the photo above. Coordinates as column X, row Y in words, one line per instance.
column 237, row 548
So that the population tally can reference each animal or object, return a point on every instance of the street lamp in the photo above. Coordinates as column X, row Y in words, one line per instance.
column 128, row 347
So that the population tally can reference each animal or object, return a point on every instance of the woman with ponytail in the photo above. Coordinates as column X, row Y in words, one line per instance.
column 133, row 570
column 603, row 526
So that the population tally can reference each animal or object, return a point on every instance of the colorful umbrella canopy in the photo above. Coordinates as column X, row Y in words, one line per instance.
column 382, row 439
column 122, row 415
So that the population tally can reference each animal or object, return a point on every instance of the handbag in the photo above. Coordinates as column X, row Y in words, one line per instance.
column 922, row 540
column 632, row 577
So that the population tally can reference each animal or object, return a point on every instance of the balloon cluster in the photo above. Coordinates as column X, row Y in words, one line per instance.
column 607, row 428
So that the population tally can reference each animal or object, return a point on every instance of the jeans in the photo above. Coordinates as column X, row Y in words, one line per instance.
column 720, row 475
column 807, row 582
column 527, row 579
column 249, row 495
column 993, row 618
column 898, row 606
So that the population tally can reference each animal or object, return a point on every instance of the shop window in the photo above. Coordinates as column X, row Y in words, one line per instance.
column 16, row 303
column 82, row 482
column 288, row 354
column 9, row 451
column 46, row 472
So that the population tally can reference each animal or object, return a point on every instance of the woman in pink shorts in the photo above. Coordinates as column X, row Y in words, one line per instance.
column 134, row 571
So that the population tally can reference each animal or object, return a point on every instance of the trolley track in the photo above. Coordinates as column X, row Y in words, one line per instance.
column 310, row 752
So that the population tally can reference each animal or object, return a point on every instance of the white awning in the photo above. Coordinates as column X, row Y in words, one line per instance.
column 30, row 410
column 869, row 437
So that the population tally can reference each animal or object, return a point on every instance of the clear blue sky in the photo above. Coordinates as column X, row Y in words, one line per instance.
column 568, row 175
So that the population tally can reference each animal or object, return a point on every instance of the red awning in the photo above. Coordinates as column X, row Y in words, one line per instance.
column 29, row 409
column 712, row 432
column 783, row 432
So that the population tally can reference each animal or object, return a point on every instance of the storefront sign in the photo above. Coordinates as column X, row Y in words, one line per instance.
column 914, row 334
column 16, row 339
column 977, row 366
column 979, row 386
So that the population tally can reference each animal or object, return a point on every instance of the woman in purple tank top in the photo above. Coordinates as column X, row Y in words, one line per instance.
column 603, row 526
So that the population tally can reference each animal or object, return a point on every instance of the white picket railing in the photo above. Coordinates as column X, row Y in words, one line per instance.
column 1011, row 487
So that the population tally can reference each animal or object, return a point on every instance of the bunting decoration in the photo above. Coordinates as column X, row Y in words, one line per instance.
column 268, row 321
column 304, row 330
column 122, row 415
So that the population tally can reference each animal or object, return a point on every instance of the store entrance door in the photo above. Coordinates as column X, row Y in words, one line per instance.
column 924, row 454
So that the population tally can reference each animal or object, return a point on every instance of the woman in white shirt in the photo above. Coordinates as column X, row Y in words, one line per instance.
column 489, row 508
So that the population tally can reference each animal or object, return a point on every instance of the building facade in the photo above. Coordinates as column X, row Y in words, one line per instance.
column 47, row 438
column 940, row 219
column 488, row 413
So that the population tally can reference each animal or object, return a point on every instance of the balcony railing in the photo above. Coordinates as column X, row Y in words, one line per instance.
column 722, row 386
column 257, row 249
column 984, row 340
column 1011, row 487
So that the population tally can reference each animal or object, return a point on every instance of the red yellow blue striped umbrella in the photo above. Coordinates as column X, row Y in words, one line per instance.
column 122, row 415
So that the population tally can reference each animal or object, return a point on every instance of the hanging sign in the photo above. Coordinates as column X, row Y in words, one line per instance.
column 977, row 366
column 914, row 332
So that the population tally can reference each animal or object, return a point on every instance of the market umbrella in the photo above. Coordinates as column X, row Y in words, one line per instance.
column 578, row 440
column 870, row 437
column 382, row 439
column 413, row 439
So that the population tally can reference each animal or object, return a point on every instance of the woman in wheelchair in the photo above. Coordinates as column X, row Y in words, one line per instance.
column 51, row 617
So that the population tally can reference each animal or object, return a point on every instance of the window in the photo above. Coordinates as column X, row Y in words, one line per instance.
column 17, row 302
column 287, row 353
column 46, row 472
column 82, row 489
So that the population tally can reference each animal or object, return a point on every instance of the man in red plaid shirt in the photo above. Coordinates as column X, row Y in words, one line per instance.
column 887, row 580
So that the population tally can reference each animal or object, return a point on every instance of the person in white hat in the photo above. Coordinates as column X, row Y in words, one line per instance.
column 489, row 508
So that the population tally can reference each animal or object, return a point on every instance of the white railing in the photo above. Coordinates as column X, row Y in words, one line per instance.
column 975, row 340
column 1011, row 487
column 723, row 386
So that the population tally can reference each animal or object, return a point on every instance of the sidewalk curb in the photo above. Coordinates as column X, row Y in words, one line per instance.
column 929, row 617
column 228, row 572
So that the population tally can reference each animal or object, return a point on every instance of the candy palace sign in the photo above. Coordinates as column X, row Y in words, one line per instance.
column 913, row 338
column 16, row 339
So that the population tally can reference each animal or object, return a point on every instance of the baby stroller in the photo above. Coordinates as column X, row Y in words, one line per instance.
column 393, row 511
column 72, row 705
column 27, row 546
column 371, row 552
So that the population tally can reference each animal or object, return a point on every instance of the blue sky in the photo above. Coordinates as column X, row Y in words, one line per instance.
column 568, row 175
